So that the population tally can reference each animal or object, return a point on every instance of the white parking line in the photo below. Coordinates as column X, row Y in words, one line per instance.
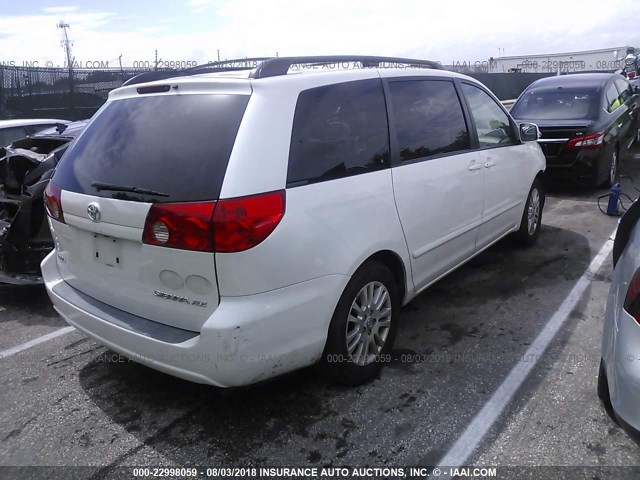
column 459, row 453
column 35, row 341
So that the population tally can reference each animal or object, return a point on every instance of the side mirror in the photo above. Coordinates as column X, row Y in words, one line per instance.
column 529, row 132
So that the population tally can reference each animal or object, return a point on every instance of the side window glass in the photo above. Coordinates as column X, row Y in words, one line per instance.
column 623, row 89
column 492, row 124
column 612, row 97
column 428, row 118
column 339, row 130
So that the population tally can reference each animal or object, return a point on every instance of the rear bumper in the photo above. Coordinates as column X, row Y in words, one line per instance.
column 584, row 168
column 246, row 340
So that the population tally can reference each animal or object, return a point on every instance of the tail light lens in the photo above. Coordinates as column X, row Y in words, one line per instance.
column 632, row 300
column 53, row 202
column 588, row 141
column 186, row 226
column 230, row 225
column 242, row 223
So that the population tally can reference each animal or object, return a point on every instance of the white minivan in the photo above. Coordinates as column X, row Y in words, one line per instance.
column 236, row 222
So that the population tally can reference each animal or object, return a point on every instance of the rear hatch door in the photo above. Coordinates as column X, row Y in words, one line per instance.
column 142, row 152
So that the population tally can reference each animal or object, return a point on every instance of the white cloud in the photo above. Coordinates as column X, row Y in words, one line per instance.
column 60, row 9
column 200, row 6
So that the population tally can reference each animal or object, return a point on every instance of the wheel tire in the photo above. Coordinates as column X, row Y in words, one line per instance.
column 341, row 365
column 603, row 391
column 612, row 177
column 532, row 216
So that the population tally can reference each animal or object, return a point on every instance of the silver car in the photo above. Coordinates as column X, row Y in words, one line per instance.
column 619, row 376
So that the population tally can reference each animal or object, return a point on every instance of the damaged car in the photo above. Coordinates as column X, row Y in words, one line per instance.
column 25, row 168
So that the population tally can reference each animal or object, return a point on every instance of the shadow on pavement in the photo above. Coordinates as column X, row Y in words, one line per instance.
column 495, row 305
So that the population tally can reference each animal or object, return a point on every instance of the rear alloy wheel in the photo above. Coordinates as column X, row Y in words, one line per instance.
column 532, row 215
column 368, row 323
column 363, row 326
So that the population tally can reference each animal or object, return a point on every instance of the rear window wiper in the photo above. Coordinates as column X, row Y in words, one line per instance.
column 125, row 188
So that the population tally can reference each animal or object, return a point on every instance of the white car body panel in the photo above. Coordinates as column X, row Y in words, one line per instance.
column 440, row 206
column 505, row 191
column 329, row 238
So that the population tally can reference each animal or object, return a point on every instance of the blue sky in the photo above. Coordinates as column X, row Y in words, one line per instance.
column 193, row 30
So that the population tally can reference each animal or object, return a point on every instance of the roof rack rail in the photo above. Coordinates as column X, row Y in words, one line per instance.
column 248, row 63
column 280, row 65
column 264, row 67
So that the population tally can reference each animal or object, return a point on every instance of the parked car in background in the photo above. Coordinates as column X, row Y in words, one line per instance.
column 619, row 376
column 231, row 226
column 11, row 130
column 588, row 122
column 25, row 168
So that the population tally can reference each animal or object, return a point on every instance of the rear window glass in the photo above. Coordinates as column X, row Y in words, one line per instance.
column 557, row 104
column 178, row 145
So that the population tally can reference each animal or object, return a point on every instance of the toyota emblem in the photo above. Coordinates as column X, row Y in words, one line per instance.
column 93, row 210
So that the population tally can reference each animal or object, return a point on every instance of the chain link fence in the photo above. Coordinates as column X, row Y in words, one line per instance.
column 27, row 92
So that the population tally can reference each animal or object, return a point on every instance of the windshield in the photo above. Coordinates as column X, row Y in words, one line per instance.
column 557, row 104
column 177, row 145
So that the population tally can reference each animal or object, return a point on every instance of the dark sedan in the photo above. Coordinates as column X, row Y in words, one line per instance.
column 587, row 121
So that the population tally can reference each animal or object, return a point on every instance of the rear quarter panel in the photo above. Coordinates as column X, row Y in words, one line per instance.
column 328, row 227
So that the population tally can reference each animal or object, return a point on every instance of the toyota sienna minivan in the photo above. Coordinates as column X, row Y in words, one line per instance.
column 226, row 225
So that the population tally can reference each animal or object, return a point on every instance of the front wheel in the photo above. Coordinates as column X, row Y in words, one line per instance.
column 363, row 326
column 532, row 215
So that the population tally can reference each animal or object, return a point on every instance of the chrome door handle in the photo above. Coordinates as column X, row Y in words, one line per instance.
column 475, row 166
column 489, row 164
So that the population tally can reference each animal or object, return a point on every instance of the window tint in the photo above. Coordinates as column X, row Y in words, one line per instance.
column 624, row 89
column 428, row 118
column 9, row 135
column 492, row 124
column 339, row 130
column 175, row 144
column 557, row 104
column 612, row 97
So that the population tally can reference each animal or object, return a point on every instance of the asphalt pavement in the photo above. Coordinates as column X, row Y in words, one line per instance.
column 69, row 401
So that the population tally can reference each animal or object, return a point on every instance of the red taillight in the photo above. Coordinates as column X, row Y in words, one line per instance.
column 53, row 202
column 631, row 75
column 632, row 300
column 588, row 141
column 180, row 225
column 242, row 223
column 230, row 225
